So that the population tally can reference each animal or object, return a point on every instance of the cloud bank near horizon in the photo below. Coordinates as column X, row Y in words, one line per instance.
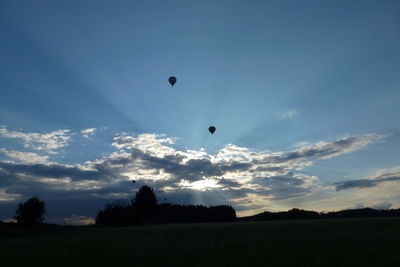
column 235, row 175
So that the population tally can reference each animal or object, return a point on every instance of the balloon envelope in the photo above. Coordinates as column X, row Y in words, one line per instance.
column 211, row 129
column 172, row 80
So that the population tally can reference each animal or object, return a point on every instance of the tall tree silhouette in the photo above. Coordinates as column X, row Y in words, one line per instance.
column 143, row 206
column 31, row 212
column 145, row 199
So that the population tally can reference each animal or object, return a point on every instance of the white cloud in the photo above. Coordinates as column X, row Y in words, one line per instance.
column 154, row 144
column 87, row 133
column 46, row 142
column 26, row 157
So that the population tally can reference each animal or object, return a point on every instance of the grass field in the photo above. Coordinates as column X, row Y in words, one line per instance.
column 344, row 242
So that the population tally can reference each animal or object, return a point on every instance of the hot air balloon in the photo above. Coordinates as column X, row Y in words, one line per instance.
column 211, row 129
column 172, row 80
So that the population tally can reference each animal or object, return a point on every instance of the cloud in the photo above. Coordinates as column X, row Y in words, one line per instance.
column 4, row 196
column 290, row 114
column 150, row 158
column 380, row 177
column 26, row 157
column 87, row 133
column 326, row 150
column 288, row 185
column 233, row 175
column 45, row 142
column 152, row 144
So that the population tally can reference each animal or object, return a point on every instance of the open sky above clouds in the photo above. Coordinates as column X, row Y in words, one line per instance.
column 304, row 96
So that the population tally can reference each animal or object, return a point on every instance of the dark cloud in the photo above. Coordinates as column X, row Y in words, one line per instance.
column 283, row 186
column 228, row 183
column 53, row 171
column 355, row 184
column 236, row 167
column 281, row 180
column 194, row 170
column 364, row 183
column 269, row 169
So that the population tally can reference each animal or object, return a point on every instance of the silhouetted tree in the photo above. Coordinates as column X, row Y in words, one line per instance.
column 145, row 199
column 143, row 206
column 31, row 212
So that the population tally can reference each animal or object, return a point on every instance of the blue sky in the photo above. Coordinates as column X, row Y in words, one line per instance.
column 316, row 78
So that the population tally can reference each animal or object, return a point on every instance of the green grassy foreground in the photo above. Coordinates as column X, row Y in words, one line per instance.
column 345, row 242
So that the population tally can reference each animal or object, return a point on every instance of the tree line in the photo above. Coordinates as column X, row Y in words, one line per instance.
column 144, row 209
column 298, row 214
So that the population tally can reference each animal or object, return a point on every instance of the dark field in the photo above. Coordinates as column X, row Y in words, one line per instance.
column 344, row 242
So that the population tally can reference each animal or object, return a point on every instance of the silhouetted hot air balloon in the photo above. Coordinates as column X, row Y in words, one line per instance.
column 172, row 80
column 211, row 129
